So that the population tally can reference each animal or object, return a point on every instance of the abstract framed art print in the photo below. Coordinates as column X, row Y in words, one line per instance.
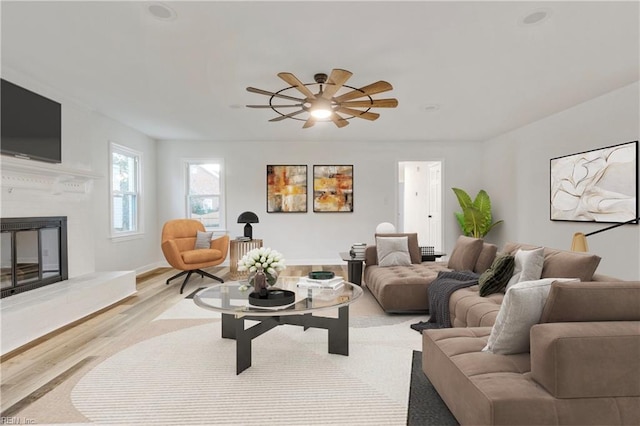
column 600, row 185
column 286, row 189
column 332, row 189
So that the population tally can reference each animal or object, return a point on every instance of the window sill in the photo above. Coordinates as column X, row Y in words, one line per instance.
column 127, row 237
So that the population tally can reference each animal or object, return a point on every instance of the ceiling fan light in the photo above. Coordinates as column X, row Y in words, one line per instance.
column 320, row 113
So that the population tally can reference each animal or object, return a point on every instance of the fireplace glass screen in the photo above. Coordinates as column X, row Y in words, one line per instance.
column 33, row 253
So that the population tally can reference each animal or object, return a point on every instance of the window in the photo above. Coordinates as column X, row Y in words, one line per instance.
column 205, row 200
column 125, row 191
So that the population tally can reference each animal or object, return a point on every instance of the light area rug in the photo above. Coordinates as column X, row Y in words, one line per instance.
column 183, row 372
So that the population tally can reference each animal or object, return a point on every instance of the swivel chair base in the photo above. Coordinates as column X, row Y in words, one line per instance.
column 188, row 273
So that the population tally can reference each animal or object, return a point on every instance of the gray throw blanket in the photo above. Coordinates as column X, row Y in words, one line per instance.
column 439, row 292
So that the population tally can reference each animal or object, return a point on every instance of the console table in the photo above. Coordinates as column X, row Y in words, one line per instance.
column 239, row 249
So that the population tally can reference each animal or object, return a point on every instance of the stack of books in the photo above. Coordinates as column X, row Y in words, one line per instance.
column 241, row 238
column 358, row 250
column 330, row 283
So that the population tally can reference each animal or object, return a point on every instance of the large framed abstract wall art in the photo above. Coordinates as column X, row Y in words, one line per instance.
column 332, row 189
column 600, row 185
column 286, row 189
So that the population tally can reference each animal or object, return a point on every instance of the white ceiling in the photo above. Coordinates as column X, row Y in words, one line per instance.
column 186, row 78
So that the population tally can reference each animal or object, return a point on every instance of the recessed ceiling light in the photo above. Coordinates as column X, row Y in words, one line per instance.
column 535, row 17
column 431, row 107
column 161, row 11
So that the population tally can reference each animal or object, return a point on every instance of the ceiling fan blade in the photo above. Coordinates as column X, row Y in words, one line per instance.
column 335, row 81
column 339, row 121
column 310, row 122
column 371, row 89
column 277, row 95
column 293, row 81
column 376, row 103
column 273, row 106
column 282, row 117
column 360, row 114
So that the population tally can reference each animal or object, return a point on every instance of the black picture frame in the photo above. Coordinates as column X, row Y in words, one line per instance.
column 333, row 189
column 599, row 185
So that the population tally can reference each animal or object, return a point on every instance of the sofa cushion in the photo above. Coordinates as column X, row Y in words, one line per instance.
column 402, row 288
column 495, row 279
column 465, row 253
column 528, row 266
column 486, row 257
column 521, row 309
column 393, row 251
column 468, row 309
column 592, row 301
column 594, row 360
column 561, row 263
column 412, row 242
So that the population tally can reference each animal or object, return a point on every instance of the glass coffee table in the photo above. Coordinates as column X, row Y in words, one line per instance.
column 232, row 301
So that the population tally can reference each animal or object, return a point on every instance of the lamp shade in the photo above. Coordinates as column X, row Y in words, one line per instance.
column 248, row 217
column 385, row 228
column 579, row 242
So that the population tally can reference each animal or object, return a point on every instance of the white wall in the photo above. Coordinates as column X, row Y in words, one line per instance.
column 85, row 138
column 316, row 237
column 516, row 174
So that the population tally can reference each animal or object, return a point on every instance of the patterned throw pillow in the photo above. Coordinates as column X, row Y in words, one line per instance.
column 495, row 279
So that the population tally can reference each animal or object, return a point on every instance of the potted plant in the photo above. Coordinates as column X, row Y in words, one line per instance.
column 475, row 220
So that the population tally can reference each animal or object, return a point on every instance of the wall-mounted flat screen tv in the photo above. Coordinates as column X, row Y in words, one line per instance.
column 31, row 125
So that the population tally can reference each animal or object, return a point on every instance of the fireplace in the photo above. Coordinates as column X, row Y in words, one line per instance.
column 34, row 253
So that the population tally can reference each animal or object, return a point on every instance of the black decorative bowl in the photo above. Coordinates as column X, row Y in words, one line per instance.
column 274, row 297
column 321, row 275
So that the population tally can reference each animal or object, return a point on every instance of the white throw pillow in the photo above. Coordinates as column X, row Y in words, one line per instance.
column 528, row 266
column 393, row 251
column 203, row 240
column 521, row 309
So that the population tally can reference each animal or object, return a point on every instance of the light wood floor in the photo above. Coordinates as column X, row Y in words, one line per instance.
column 30, row 372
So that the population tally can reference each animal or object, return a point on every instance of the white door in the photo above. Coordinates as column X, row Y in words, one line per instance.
column 419, row 201
column 434, row 216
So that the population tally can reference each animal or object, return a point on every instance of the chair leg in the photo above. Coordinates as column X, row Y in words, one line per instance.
column 213, row 277
column 184, row 283
column 177, row 276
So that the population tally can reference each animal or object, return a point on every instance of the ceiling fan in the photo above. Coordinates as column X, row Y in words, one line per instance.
column 333, row 100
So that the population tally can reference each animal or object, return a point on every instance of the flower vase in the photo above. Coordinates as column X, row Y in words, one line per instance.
column 259, row 282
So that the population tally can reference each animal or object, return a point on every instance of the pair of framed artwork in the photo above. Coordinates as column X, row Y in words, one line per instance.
column 287, row 188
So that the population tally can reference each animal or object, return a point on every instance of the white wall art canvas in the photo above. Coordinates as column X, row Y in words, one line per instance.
column 596, row 186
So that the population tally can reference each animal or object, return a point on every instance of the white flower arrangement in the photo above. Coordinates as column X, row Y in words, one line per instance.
column 269, row 261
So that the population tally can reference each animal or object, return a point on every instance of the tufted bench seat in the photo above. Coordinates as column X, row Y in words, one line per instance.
column 403, row 288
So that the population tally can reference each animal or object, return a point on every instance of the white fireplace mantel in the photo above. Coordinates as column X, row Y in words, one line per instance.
column 51, row 178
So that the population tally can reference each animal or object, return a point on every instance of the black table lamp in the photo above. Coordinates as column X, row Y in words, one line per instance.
column 248, row 218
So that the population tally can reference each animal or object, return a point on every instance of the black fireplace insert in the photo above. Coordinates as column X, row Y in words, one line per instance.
column 33, row 252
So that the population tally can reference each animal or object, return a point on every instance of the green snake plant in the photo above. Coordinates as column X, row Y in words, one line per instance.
column 475, row 220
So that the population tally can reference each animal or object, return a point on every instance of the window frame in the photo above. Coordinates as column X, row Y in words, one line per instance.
column 187, row 162
column 115, row 148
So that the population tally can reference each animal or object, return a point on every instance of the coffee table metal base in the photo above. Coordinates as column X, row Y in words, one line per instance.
column 233, row 328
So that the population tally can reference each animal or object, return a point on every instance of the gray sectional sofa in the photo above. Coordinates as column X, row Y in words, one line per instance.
column 581, row 365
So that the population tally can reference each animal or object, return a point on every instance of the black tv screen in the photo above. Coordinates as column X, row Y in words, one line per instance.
column 31, row 125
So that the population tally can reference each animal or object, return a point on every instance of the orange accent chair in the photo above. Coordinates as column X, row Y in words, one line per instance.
column 178, row 245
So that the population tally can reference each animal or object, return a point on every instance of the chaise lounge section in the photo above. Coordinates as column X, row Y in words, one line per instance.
column 583, row 366
column 403, row 289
